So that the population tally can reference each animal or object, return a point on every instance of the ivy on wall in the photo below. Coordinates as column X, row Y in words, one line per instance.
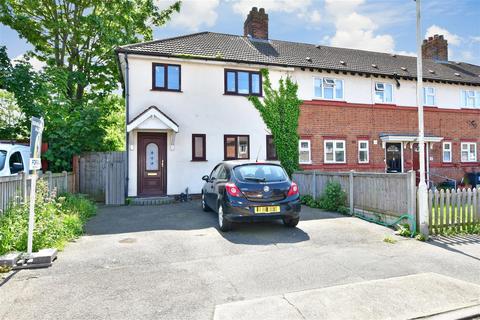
column 280, row 110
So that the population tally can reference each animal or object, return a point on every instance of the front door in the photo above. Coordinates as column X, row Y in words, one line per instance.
column 393, row 157
column 152, row 164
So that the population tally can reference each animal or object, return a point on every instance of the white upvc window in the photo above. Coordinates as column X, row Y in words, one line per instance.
column 429, row 96
column 328, row 88
column 383, row 92
column 334, row 151
column 469, row 152
column 470, row 99
column 447, row 152
column 305, row 152
column 363, row 151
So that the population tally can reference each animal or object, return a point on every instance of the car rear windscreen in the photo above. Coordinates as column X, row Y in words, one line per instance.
column 260, row 173
column 3, row 157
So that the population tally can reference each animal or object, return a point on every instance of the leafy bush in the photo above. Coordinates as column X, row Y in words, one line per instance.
column 333, row 198
column 57, row 220
column 403, row 230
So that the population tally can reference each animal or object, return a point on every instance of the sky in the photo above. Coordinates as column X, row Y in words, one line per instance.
column 376, row 25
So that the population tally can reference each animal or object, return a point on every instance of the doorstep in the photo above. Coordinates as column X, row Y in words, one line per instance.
column 151, row 201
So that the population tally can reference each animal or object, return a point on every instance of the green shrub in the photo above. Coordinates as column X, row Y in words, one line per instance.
column 403, row 230
column 57, row 221
column 333, row 198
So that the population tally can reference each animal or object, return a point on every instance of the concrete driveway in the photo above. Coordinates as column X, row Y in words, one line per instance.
column 170, row 262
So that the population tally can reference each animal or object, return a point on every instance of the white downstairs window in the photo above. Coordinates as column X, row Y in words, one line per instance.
column 363, row 151
column 304, row 151
column 334, row 151
column 327, row 88
column 447, row 152
column 383, row 92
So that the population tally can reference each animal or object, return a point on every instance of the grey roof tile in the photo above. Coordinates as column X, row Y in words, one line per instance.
column 225, row 47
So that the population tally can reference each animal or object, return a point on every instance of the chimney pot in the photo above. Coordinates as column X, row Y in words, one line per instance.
column 435, row 48
column 256, row 24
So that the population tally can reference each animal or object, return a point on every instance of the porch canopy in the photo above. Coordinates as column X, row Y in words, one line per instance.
column 152, row 118
column 413, row 138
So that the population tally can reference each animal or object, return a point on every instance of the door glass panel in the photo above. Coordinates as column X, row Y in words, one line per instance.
column 394, row 158
column 151, row 157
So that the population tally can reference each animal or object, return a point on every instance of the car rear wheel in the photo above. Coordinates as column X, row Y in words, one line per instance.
column 223, row 224
column 291, row 222
column 205, row 207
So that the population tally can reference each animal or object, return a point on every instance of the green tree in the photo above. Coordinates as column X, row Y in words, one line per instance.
column 10, row 116
column 280, row 110
column 79, row 36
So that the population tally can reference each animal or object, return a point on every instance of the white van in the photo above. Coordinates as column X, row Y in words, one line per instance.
column 14, row 158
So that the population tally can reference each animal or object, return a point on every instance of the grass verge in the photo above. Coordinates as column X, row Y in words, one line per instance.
column 58, row 219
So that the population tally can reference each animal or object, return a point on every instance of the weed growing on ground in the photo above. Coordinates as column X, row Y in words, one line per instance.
column 58, row 219
column 389, row 240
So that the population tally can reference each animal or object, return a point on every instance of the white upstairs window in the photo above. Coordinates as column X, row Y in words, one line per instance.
column 470, row 98
column 334, row 151
column 363, row 151
column 304, row 150
column 327, row 88
column 383, row 92
column 447, row 152
column 429, row 96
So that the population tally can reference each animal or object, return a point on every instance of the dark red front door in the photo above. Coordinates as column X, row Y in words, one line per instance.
column 152, row 164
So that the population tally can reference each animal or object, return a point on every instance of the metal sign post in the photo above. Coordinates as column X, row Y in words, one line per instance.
column 422, row 186
column 34, row 165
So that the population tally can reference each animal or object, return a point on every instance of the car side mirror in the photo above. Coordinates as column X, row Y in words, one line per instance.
column 206, row 178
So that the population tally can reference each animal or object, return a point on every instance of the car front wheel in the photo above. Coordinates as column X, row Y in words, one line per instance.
column 205, row 207
column 291, row 222
column 223, row 224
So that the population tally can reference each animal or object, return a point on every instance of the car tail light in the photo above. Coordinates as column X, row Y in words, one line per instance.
column 293, row 190
column 232, row 190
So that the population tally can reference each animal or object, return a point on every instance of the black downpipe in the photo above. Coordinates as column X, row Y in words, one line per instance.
column 127, row 99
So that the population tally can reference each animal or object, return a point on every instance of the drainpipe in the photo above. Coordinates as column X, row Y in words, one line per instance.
column 127, row 98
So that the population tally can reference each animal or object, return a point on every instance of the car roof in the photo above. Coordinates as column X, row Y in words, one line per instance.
column 12, row 146
column 234, row 163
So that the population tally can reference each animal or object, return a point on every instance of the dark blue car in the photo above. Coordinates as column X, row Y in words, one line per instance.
column 251, row 191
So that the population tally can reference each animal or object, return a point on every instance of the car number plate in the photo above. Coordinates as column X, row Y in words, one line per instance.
column 271, row 209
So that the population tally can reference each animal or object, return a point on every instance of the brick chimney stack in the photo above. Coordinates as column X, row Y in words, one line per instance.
column 256, row 24
column 435, row 48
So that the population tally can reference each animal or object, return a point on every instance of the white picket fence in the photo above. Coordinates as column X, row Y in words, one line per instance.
column 15, row 189
column 453, row 209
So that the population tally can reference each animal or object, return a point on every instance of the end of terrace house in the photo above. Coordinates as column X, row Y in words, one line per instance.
column 187, row 108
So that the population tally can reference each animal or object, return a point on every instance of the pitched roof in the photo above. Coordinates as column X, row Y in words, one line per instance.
column 234, row 48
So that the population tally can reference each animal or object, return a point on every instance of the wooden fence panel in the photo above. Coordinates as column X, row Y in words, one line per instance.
column 384, row 193
column 15, row 189
column 102, row 176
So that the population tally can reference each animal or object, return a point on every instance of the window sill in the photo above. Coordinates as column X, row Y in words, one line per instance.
column 166, row 90
column 242, row 94
column 329, row 163
column 325, row 99
column 199, row 160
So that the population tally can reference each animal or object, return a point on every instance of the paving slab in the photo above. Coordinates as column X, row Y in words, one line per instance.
column 404, row 297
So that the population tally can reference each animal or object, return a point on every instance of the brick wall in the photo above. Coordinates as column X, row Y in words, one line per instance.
column 320, row 120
